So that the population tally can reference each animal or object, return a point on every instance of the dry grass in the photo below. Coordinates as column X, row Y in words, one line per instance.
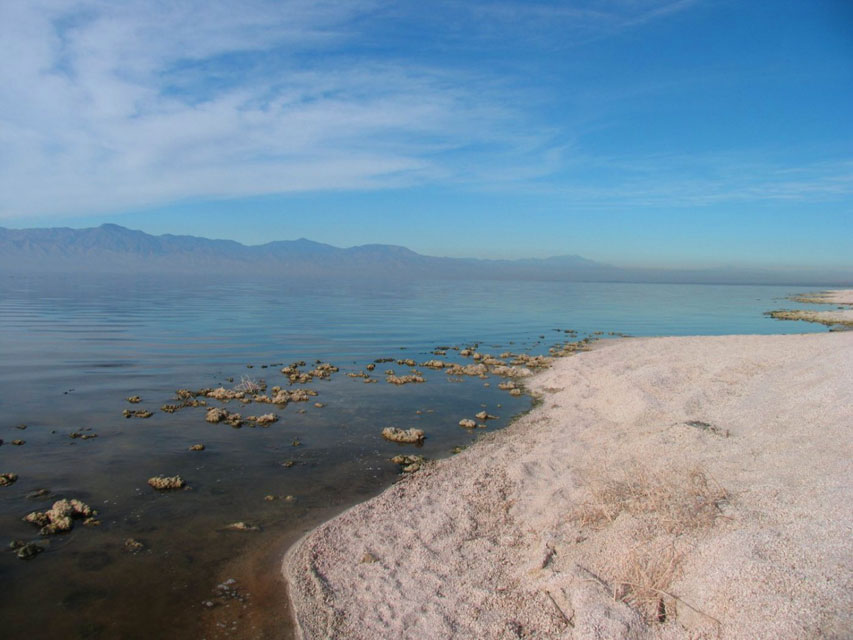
column 662, row 507
column 674, row 502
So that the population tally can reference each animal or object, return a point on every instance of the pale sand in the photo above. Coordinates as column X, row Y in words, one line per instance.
column 508, row 540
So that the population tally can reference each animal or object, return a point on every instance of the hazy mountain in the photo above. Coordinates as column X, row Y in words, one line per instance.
column 113, row 249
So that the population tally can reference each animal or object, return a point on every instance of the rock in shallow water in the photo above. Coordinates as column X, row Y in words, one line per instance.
column 164, row 483
column 7, row 478
column 406, row 436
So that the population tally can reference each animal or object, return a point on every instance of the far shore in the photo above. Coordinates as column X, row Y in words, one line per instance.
column 843, row 316
column 694, row 487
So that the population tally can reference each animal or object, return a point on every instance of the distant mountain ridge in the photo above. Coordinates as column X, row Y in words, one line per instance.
column 114, row 249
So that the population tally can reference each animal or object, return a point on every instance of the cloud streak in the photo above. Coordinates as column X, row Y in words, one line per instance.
column 108, row 106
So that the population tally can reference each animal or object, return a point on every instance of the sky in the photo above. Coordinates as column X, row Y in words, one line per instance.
column 635, row 132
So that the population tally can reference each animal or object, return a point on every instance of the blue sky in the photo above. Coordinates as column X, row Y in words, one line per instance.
column 653, row 132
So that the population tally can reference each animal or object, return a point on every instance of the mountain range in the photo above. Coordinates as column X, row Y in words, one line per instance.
column 114, row 249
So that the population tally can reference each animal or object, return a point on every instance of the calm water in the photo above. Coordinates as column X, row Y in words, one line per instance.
column 72, row 350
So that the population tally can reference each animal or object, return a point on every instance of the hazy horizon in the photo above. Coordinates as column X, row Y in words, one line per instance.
column 112, row 248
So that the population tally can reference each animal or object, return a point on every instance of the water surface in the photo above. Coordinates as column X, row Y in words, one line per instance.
column 72, row 350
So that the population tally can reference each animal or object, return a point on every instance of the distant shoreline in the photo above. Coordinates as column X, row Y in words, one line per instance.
column 664, row 485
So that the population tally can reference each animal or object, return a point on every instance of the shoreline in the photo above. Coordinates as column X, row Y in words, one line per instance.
column 841, row 317
column 508, row 538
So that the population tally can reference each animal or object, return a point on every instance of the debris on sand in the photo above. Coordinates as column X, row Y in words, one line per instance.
column 164, row 483
column 406, row 436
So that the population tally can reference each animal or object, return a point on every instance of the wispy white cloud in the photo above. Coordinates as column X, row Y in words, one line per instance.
column 109, row 105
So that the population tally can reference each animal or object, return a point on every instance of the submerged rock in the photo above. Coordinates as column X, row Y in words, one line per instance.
column 18, row 443
column 164, row 483
column 138, row 413
column 132, row 545
column 406, row 436
column 482, row 415
column 217, row 414
column 512, row 372
column 412, row 378
column 28, row 551
column 242, row 526
column 264, row 420
column 409, row 464
column 7, row 479
column 466, row 370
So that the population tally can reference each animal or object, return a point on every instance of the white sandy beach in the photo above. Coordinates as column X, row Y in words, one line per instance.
column 665, row 488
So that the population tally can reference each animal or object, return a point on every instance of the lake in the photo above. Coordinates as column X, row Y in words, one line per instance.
column 72, row 350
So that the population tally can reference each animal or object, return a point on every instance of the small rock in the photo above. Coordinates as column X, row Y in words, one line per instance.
column 290, row 498
column 242, row 526
column 18, row 443
column 134, row 399
column 409, row 464
column 319, row 405
column 7, row 479
column 132, row 545
column 38, row 493
column 138, row 413
column 370, row 367
column 215, row 414
column 22, row 427
column 197, row 447
column 369, row 558
column 482, row 415
column 467, row 423
column 407, row 436
column 288, row 463
column 29, row 551
column 163, row 483
column 270, row 498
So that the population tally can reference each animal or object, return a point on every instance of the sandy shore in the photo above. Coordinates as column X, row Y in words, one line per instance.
column 665, row 488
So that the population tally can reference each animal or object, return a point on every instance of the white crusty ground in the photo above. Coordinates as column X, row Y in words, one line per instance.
column 483, row 545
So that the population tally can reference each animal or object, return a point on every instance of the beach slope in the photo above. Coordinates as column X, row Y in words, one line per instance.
column 664, row 488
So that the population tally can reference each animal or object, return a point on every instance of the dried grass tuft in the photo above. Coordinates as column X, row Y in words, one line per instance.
column 663, row 506
column 675, row 502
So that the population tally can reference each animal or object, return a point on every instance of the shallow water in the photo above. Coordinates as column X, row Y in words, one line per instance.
column 72, row 350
